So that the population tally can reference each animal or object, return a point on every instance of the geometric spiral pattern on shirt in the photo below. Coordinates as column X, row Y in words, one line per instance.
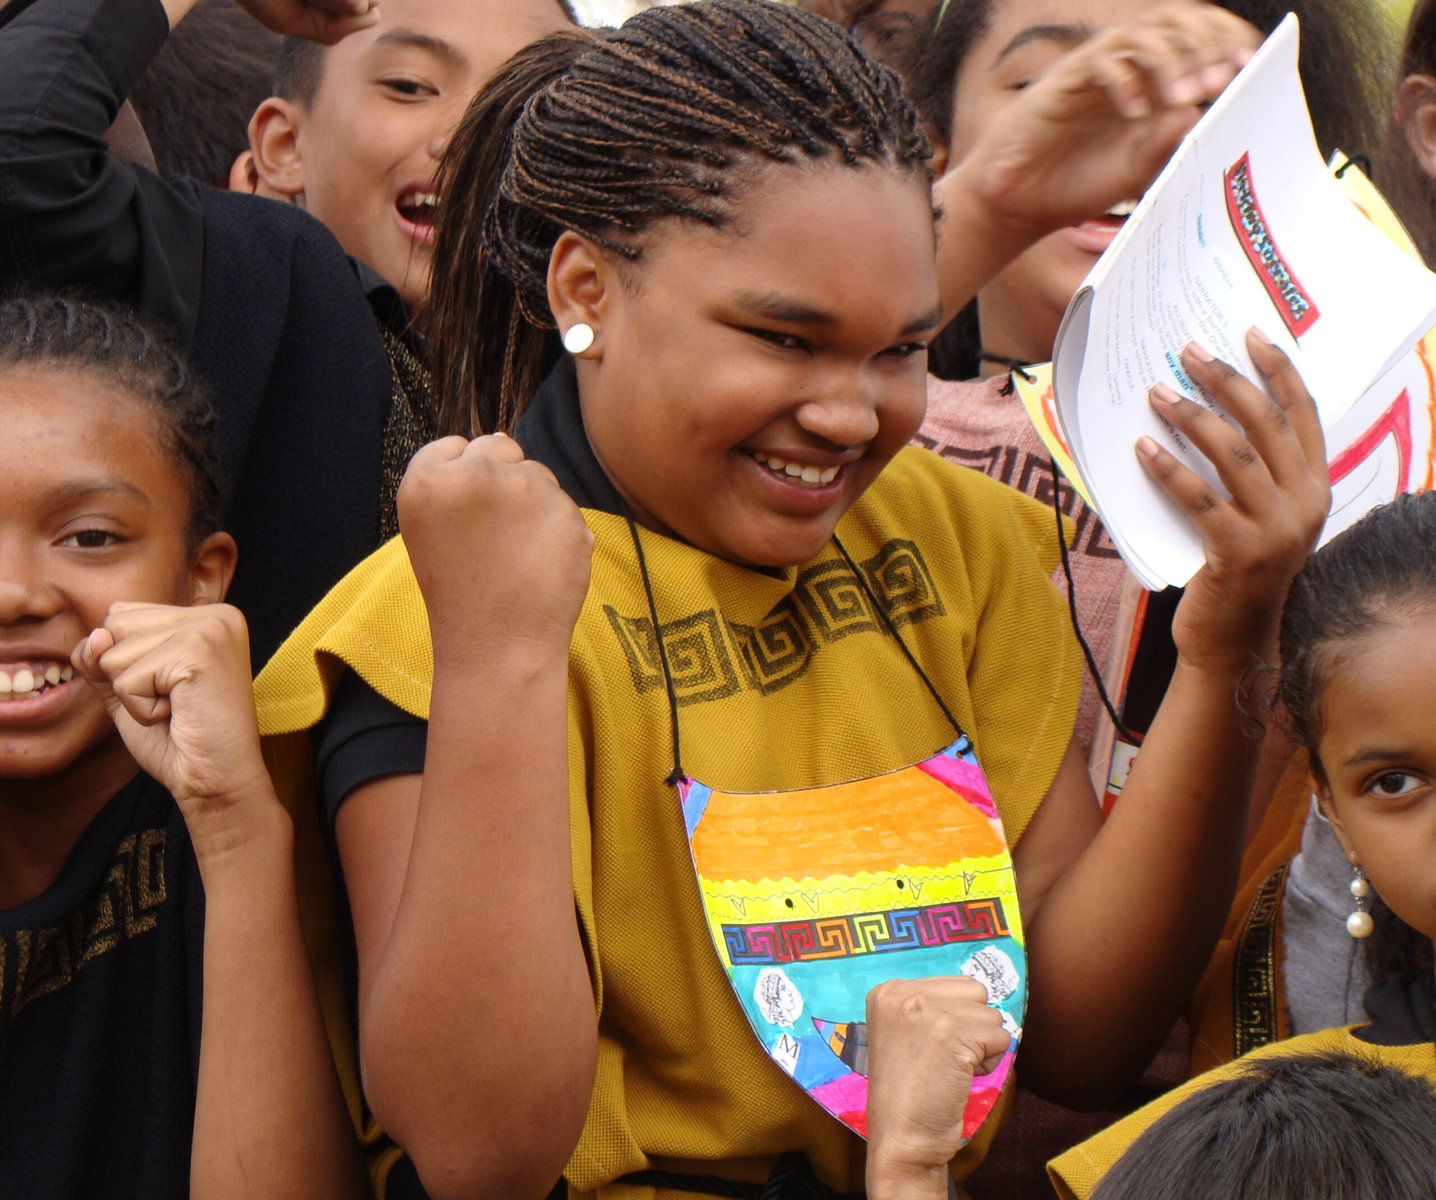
column 865, row 933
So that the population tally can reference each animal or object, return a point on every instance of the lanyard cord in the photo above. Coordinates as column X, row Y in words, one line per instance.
column 887, row 620
column 1122, row 731
column 677, row 775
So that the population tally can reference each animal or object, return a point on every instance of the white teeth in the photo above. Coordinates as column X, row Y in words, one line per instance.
column 421, row 200
column 796, row 472
column 29, row 682
column 1125, row 209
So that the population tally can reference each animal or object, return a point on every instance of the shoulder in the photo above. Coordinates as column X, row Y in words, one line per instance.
column 373, row 621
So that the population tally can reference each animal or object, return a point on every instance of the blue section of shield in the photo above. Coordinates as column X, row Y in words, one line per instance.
column 695, row 804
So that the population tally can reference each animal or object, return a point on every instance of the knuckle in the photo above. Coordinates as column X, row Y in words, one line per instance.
column 1203, row 502
column 1244, row 454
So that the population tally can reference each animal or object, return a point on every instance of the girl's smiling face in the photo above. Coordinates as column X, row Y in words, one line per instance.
column 1378, row 752
column 747, row 384
column 92, row 511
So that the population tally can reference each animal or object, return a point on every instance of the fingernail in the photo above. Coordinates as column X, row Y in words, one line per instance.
column 1215, row 77
column 1200, row 353
column 1147, row 448
column 1260, row 336
column 1186, row 90
column 1166, row 395
column 90, row 644
column 500, row 433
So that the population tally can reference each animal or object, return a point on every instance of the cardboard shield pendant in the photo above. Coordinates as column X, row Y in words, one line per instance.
column 814, row 896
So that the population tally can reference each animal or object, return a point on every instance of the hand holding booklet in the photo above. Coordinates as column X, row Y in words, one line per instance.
column 1245, row 227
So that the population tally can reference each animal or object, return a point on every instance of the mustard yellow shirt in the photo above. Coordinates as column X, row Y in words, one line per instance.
column 784, row 680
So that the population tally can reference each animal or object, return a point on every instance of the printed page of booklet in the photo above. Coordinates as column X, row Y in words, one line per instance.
column 1244, row 227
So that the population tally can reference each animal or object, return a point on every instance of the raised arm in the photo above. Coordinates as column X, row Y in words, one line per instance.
column 73, row 215
column 1093, row 131
column 269, row 1116
column 1121, row 924
column 478, row 1033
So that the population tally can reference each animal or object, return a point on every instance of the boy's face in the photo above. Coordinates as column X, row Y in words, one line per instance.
column 387, row 102
column 92, row 511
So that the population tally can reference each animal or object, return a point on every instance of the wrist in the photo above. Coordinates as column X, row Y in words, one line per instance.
column 508, row 655
column 975, row 198
column 241, row 829
column 894, row 1177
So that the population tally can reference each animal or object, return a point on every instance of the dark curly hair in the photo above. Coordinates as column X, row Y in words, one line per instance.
column 115, row 345
column 663, row 119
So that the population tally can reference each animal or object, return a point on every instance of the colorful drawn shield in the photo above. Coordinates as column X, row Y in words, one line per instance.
column 815, row 896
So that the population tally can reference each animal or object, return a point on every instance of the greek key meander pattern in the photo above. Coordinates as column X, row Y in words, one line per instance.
column 125, row 904
column 1031, row 474
column 865, row 933
column 1254, row 970
column 711, row 658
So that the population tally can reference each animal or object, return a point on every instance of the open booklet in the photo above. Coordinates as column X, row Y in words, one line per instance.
column 1245, row 226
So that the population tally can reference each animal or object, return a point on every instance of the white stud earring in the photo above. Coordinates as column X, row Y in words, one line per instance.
column 578, row 338
column 1360, row 924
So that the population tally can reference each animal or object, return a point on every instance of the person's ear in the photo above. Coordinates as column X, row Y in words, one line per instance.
column 939, row 158
column 212, row 569
column 1416, row 114
column 274, row 142
column 582, row 282
column 1322, row 790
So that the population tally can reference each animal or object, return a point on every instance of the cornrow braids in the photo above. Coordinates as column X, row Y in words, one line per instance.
column 665, row 118
column 115, row 345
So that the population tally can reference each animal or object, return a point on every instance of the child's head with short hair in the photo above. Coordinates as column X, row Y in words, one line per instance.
column 109, row 491
column 1288, row 1128
column 1358, row 681
column 354, row 130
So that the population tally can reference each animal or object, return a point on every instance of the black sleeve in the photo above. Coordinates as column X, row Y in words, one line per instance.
column 72, row 215
column 363, row 737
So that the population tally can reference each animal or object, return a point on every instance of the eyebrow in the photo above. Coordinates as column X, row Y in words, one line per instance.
column 1377, row 754
column 72, row 493
column 1067, row 35
column 775, row 307
column 422, row 41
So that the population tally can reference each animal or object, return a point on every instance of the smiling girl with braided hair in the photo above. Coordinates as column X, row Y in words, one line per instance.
column 728, row 706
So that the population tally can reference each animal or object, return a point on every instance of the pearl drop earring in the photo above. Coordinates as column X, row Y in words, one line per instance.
column 578, row 338
column 1360, row 924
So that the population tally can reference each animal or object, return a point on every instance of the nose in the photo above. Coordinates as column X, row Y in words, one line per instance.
column 844, row 413
column 25, row 594
column 446, row 119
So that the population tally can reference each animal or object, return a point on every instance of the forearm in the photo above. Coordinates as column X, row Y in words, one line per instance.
column 1124, row 933
column 976, row 239
column 477, row 1017
column 269, row 1116
column 71, row 214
